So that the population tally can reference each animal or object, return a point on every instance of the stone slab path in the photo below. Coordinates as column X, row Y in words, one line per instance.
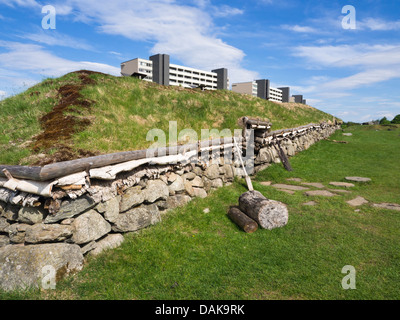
column 319, row 193
column 342, row 184
column 358, row 179
column 357, row 201
column 289, row 187
column 328, row 192
column 390, row 206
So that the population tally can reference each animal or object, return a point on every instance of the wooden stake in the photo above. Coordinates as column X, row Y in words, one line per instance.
column 248, row 180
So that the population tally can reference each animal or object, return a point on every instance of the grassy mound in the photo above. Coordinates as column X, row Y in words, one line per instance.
column 86, row 113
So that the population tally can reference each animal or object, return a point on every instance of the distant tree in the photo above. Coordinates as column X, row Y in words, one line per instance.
column 396, row 119
column 384, row 120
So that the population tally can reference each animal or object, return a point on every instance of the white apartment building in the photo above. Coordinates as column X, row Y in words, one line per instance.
column 141, row 68
column 191, row 78
column 259, row 88
column 275, row 94
column 246, row 88
column 159, row 70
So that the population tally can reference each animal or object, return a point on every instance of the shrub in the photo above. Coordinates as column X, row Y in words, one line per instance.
column 384, row 121
column 396, row 119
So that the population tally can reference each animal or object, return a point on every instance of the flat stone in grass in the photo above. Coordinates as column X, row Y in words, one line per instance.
column 342, row 184
column 347, row 134
column 314, row 184
column 289, row 187
column 390, row 206
column 358, row 179
column 321, row 193
column 266, row 183
column 294, row 179
column 357, row 202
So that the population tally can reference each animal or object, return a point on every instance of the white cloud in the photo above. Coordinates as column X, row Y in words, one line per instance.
column 55, row 38
column 378, row 63
column 300, row 29
column 376, row 24
column 350, row 55
column 21, row 3
column 34, row 58
column 225, row 11
column 364, row 78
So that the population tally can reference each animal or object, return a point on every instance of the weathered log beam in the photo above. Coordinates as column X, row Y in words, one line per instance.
column 22, row 172
column 243, row 221
column 65, row 168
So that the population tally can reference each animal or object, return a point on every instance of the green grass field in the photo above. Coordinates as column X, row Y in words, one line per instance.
column 197, row 255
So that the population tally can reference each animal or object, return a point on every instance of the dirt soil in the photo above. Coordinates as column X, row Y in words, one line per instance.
column 59, row 127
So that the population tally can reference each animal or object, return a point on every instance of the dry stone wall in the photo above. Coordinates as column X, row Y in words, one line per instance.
column 75, row 223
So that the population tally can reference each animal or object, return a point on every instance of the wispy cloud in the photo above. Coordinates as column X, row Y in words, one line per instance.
column 378, row 24
column 226, row 11
column 29, row 60
column 350, row 55
column 55, row 38
column 378, row 63
column 300, row 29
column 20, row 3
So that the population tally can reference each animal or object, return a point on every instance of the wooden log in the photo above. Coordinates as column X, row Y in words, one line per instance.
column 269, row 214
column 65, row 168
column 243, row 221
column 22, row 172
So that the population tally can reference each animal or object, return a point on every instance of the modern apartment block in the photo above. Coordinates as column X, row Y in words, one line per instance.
column 246, row 88
column 139, row 68
column 285, row 94
column 298, row 98
column 265, row 91
column 259, row 88
column 275, row 94
column 159, row 69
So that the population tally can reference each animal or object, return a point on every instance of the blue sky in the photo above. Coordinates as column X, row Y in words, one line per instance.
column 353, row 74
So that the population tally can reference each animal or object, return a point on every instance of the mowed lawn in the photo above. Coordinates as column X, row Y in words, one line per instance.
column 198, row 255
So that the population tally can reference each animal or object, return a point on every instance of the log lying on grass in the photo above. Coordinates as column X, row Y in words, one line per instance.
column 269, row 214
column 242, row 220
